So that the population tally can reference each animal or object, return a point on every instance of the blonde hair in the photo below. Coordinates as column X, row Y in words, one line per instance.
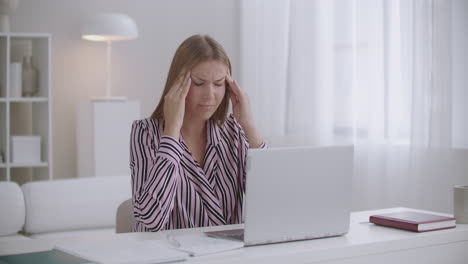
column 194, row 50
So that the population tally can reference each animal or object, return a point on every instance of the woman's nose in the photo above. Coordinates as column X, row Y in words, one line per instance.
column 209, row 91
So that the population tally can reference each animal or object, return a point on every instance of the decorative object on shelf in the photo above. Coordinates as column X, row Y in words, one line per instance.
column 30, row 77
column 460, row 203
column 7, row 8
column 16, row 71
column 109, row 27
column 25, row 149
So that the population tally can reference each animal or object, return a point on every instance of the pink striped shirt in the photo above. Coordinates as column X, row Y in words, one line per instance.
column 171, row 190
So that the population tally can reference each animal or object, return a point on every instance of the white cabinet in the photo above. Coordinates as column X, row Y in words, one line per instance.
column 21, row 115
column 103, row 137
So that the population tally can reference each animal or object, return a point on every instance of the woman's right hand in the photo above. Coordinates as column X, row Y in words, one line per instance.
column 174, row 106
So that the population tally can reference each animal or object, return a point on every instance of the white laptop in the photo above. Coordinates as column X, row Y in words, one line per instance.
column 295, row 194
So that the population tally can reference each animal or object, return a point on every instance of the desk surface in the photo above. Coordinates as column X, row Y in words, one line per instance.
column 363, row 239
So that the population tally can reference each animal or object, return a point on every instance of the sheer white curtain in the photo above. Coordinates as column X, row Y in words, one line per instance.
column 373, row 73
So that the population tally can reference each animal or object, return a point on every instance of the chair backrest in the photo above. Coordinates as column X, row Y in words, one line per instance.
column 74, row 204
column 124, row 219
column 12, row 209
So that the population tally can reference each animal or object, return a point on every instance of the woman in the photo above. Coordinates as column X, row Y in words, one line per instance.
column 188, row 159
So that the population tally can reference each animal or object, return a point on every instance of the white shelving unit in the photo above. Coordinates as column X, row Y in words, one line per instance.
column 26, row 115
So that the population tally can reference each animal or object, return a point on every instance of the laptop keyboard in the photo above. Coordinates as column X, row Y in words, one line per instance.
column 237, row 234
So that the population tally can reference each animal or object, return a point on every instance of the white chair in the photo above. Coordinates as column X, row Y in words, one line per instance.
column 124, row 218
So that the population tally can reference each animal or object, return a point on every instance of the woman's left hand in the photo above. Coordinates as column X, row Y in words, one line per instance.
column 243, row 113
column 240, row 103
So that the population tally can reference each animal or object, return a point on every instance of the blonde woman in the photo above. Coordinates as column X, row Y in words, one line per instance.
column 188, row 159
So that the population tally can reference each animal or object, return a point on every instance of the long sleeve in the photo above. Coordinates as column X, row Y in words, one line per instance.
column 242, row 147
column 155, row 175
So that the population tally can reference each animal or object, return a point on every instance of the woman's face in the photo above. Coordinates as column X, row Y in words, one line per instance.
column 206, row 90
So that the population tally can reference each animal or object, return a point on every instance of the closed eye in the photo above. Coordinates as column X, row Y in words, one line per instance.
column 201, row 84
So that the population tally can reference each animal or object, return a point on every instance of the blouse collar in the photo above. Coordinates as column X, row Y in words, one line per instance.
column 213, row 132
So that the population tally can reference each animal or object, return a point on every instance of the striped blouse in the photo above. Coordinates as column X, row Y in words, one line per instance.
column 171, row 190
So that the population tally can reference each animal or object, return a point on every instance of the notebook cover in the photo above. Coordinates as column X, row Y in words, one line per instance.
column 54, row 256
column 410, row 220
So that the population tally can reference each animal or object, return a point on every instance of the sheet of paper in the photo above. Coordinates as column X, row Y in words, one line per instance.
column 197, row 245
column 124, row 250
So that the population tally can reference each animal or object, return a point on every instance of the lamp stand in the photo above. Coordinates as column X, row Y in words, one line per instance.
column 108, row 96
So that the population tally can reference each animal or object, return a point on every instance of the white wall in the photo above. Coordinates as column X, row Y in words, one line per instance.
column 460, row 71
column 139, row 66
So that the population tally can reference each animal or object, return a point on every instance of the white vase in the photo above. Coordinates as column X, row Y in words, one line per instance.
column 16, row 77
column 7, row 8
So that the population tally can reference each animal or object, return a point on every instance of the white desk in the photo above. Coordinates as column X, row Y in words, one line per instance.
column 365, row 243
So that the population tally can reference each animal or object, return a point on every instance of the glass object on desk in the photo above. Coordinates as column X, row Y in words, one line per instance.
column 30, row 77
column 460, row 203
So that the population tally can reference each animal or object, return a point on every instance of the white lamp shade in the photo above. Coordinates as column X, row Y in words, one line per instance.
column 109, row 27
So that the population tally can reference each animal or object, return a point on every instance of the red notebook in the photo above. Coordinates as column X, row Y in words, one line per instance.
column 413, row 221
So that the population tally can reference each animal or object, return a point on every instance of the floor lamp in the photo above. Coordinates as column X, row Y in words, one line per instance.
column 109, row 28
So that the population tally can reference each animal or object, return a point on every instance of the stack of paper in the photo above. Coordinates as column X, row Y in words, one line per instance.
column 197, row 245
column 123, row 250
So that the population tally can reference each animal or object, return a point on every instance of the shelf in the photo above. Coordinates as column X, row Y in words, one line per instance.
column 28, row 99
column 21, row 115
column 29, row 165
